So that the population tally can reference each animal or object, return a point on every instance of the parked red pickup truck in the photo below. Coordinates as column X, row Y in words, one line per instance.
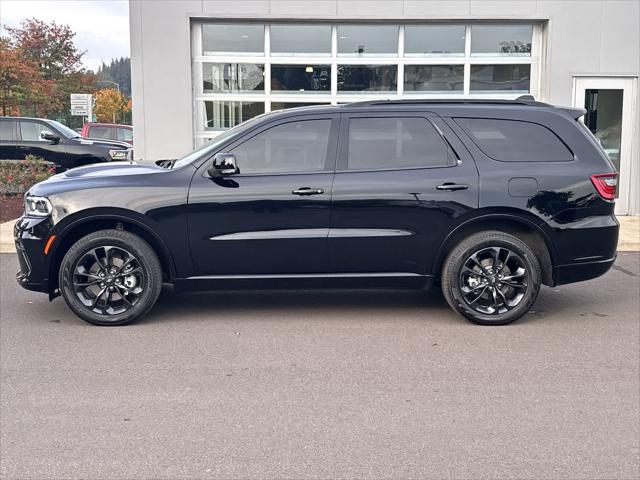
column 108, row 131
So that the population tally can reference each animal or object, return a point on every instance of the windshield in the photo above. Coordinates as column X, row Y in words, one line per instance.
column 215, row 143
column 63, row 129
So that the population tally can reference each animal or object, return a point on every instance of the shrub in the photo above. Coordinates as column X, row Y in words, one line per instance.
column 17, row 176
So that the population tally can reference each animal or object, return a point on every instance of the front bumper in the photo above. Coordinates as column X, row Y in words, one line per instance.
column 30, row 235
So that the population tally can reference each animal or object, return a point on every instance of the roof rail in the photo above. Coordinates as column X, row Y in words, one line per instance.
column 521, row 100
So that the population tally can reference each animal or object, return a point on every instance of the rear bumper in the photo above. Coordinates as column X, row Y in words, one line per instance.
column 578, row 272
column 584, row 249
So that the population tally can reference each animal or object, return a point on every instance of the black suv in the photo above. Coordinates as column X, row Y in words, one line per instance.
column 55, row 143
column 488, row 199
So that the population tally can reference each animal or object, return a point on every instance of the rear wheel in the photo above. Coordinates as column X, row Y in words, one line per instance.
column 492, row 278
column 110, row 277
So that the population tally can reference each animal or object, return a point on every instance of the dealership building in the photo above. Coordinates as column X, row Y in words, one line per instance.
column 200, row 67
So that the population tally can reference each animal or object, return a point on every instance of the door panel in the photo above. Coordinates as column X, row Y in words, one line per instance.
column 264, row 223
column 394, row 220
column 609, row 102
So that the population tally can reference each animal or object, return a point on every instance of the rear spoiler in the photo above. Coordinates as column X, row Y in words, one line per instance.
column 574, row 113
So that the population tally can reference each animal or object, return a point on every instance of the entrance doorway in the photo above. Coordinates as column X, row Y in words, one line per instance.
column 610, row 105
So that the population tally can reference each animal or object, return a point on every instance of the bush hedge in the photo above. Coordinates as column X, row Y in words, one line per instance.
column 17, row 176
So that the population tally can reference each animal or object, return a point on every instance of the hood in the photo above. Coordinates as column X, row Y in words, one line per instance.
column 98, row 141
column 109, row 169
column 96, row 176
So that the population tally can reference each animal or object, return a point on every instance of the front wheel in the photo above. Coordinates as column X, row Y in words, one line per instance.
column 110, row 277
column 491, row 278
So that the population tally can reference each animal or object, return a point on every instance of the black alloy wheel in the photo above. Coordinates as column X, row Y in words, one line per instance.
column 110, row 277
column 491, row 278
column 108, row 280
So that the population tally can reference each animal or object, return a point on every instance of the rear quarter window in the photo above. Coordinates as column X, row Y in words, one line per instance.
column 515, row 140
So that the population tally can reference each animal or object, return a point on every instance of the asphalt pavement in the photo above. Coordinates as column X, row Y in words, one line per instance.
column 323, row 384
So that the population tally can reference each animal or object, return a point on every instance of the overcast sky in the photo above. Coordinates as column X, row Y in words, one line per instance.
column 101, row 26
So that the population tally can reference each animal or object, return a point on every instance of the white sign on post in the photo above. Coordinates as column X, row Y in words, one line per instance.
column 81, row 104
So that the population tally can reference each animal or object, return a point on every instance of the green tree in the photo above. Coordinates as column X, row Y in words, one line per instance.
column 118, row 71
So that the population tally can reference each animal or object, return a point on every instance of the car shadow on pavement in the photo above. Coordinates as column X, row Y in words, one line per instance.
column 328, row 303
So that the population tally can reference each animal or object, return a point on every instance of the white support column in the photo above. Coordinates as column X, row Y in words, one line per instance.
column 267, row 67
column 467, row 58
column 334, row 65
column 400, row 75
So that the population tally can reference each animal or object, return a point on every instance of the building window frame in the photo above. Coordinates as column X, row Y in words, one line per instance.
column 333, row 96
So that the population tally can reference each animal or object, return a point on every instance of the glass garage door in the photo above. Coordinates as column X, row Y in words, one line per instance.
column 243, row 69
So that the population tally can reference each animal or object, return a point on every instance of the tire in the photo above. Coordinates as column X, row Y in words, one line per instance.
column 497, row 270
column 130, row 283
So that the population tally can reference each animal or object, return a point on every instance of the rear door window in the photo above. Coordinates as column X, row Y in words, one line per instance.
column 515, row 140
column 395, row 142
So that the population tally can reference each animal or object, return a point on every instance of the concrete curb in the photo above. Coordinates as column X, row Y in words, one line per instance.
column 6, row 237
column 629, row 240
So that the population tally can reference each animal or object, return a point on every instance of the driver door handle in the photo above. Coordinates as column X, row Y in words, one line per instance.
column 308, row 191
column 452, row 186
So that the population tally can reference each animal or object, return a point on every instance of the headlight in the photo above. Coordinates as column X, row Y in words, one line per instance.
column 118, row 154
column 37, row 206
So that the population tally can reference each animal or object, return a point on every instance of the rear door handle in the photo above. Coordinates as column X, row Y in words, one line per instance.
column 308, row 191
column 452, row 186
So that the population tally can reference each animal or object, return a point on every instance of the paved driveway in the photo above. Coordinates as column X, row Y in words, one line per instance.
column 323, row 385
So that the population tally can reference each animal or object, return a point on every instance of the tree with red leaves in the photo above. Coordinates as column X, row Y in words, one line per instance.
column 49, row 48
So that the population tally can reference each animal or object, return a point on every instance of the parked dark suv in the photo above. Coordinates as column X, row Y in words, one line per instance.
column 488, row 199
column 55, row 143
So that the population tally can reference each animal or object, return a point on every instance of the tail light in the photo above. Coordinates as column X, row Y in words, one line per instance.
column 606, row 184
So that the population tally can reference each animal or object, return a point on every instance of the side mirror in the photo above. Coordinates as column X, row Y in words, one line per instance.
column 224, row 165
column 51, row 137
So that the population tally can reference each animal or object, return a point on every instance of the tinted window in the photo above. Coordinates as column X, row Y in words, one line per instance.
column 434, row 78
column 363, row 40
column 6, row 131
column 301, row 78
column 232, row 38
column 508, row 40
column 30, row 131
column 290, row 147
column 515, row 141
column 434, row 40
column 100, row 132
column 495, row 78
column 395, row 142
column 367, row 78
column 297, row 39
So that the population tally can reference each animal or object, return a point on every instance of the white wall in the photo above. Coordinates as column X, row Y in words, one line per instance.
column 582, row 37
